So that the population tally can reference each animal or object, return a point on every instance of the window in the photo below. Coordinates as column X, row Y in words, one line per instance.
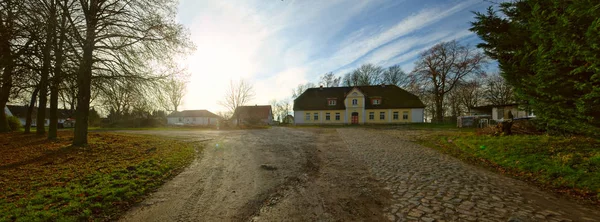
column 331, row 102
column 355, row 102
column 180, row 119
column 372, row 115
column 376, row 101
column 381, row 115
column 327, row 116
column 395, row 115
column 316, row 116
column 405, row 115
column 307, row 116
column 337, row 116
column 500, row 113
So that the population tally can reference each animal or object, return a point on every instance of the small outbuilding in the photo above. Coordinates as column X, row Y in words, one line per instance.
column 192, row 118
column 21, row 113
column 253, row 115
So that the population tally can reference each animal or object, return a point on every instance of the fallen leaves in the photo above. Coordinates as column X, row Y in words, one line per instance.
column 40, row 175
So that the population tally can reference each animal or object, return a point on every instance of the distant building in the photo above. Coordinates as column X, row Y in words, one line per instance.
column 288, row 119
column 21, row 113
column 253, row 115
column 192, row 118
column 381, row 104
column 500, row 112
column 7, row 111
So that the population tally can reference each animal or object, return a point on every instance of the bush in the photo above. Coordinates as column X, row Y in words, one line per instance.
column 14, row 123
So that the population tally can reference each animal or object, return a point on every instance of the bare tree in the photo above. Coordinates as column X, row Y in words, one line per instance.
column 350, row 79
column 330, row 80
column 281, row 109
column 453, row 104
column 224, row 114
column 394, row 75
column 443, row 67
column 365, row 75
column 172, row 91
column 275, row 109
column 285, row 108
column 469, row 93
column 497, row 91
column 238, row 94
column 15, row 38
column 117, row 40
column 301, row 88
column 175, row 91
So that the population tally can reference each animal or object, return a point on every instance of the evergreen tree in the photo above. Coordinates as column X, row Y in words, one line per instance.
column 549, row 51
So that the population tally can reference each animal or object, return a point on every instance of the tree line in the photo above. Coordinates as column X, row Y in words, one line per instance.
column 449, row 78
column 547, row 51
column 79, row 54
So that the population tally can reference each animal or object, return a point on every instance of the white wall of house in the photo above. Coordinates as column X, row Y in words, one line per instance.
column 34, row 121
column 193, row 121
column 498, row 113
column 417, row 115
column 299, row 117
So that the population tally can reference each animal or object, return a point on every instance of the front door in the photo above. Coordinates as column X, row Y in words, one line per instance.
column 354, row 118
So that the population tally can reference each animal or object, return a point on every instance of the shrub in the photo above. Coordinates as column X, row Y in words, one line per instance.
column 14, row 123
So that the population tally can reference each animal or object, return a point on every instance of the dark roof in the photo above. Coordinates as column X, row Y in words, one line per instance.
column 259, row 112
column 194, row 113
column 21, row 112
column 391, row 97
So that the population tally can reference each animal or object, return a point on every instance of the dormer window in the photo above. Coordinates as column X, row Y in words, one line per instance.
column 376, row 101
column 331, row 102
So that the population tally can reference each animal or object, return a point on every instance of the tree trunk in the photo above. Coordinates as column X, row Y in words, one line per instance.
column 439, row 111
column 53, row 125
column 30, row 110
column 5, row 92
column 506, row 127
column 84, row 79
column 56, row 80
column 45, row 72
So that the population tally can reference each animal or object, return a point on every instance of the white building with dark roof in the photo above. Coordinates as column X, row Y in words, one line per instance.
column 193, row 118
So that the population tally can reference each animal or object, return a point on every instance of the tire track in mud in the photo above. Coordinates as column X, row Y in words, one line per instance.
column 336, row 187
column 309, row 172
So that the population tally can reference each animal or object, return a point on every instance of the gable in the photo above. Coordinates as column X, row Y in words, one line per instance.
column 355, row 92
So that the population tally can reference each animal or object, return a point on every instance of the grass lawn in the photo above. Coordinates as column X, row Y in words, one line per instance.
column 52, row 181
column 564, row 164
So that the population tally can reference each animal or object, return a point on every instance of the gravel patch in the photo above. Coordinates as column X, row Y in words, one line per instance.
column 429, row 186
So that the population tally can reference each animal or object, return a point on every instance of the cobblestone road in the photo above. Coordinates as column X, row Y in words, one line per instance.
column 429, row 186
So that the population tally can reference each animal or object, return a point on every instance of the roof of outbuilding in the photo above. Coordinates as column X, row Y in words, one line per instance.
column 193, row 113
column 21, row 112
column 260, row 112
column 391, row 97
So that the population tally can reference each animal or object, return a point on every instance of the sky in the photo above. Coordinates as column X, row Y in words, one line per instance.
column 276, row 45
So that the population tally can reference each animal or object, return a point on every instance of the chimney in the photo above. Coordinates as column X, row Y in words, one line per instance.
column 321, row 87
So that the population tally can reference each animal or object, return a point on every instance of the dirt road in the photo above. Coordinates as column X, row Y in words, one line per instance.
column 346, row 174
column 266, row 175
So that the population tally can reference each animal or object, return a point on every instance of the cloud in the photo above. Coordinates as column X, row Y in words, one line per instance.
column 279, row 44
column 354, row 48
